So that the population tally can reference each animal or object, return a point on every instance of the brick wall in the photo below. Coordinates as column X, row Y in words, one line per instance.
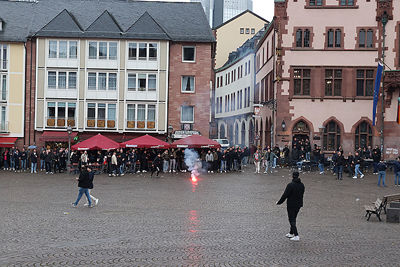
column 202, row 70
column 30, row 92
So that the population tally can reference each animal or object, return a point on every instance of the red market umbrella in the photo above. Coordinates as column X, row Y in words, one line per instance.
column 146, row 141
column 196, row 141
column 97, row 142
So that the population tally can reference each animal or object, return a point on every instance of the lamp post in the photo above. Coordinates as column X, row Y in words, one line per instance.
column 384, row 22
column 283, row 125
column 69, row 131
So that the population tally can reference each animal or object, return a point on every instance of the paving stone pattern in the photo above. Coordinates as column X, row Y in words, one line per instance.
column 224, row 220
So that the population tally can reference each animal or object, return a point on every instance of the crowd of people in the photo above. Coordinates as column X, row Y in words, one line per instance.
column 121, row 161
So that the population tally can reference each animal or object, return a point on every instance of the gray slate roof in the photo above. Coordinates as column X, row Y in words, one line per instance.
column 132, row 19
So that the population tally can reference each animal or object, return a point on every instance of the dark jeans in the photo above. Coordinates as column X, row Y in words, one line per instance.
column 48, row 166
column 292, row 214
column 339, row 170
column 375, row 164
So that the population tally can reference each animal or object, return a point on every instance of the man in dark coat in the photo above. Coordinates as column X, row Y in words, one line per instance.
column 84, row 183
column 294, row 193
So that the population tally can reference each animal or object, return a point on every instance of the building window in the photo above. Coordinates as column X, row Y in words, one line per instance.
column 101, row 115
column 188, row 84
column 365, row 38
column 3, row 87
column 143, row 51
column 3, row 122
column 61, row 80
column 142, row 82
column 303, row 38
column 334, row 38
column 241, row 30
column 103, row 50
column 188, row 54
column 247, row 31
column 333, row 82
column 63, row 49
column 187, row 114
column 365, row 83
column 316, row 2
column 102, row 81
column 302, row 81
column 346, row 2
column 3, row 57
column 363, row 136
column 331, row 140
column 253, row 31
column 60, row 114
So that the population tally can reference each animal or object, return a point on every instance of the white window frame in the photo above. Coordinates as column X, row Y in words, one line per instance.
column 98, row 50
column 56, row 117
column 58, row 49
column 107, row 81
column 194, row 84
column 96, row 116
column 4, row 47
column 147, row 51
column 146, row 117
column 182, row 114
column 183, row 55
column 66, row 82
column 137, row 82
column 2, row 89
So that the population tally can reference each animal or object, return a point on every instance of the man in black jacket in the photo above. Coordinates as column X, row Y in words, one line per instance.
column 84, row 184
column 294, row 193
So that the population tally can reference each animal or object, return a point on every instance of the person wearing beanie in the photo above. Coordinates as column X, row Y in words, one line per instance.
column 293, row 195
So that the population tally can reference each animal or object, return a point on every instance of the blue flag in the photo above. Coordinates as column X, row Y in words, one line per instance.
column 376, row 90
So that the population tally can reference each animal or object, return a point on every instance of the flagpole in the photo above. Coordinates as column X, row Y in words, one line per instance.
column 384, row 22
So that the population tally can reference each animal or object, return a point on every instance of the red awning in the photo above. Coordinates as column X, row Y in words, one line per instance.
column 56, row 136
column 196, row 141
column 7, row 141
column 97, row 142
column 146, row 141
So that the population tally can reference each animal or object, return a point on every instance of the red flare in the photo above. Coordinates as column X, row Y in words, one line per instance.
column 194, row 178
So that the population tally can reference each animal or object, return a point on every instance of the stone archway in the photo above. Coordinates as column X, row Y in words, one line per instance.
column 243, row 135
column 222, row 134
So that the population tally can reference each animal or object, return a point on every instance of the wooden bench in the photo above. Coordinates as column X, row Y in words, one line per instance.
column 390, row 198
column 376, row 208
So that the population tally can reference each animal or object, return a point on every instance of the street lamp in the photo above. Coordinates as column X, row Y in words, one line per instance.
column 385, row 19
column 283, row 125
column 69, row 131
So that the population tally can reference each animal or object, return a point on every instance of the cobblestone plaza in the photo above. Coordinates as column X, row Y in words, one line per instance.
column 223, row 220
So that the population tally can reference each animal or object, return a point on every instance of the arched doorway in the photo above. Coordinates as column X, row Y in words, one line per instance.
column 236, row 133
column 230, row 134
column 300, row 132
column 222, row 132
column 363, row 135
column 243, row 137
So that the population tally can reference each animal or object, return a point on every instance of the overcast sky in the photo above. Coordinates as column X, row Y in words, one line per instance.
column 264, row 8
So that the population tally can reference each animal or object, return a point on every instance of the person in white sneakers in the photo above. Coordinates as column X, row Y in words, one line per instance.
column 95, row 201
column 294, row 193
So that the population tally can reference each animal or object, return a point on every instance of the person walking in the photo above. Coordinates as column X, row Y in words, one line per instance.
column 321, row 162
column 257, row 160
column 294, row 193
column 84, row 184
column 156, row 165
column 209, row 161
column 357, row 163
column 91, row 178
column 339, row 166
column 381, row 173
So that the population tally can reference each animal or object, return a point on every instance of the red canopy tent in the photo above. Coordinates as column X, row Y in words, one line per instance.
column 196, row 141
column 146, row 141
column 97, row 142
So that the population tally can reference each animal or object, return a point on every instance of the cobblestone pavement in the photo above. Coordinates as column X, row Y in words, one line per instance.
column 224, row 220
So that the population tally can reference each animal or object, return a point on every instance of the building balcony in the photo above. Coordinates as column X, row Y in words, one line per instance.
column 101, row 123
column 4, row 127
column 52, row 122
